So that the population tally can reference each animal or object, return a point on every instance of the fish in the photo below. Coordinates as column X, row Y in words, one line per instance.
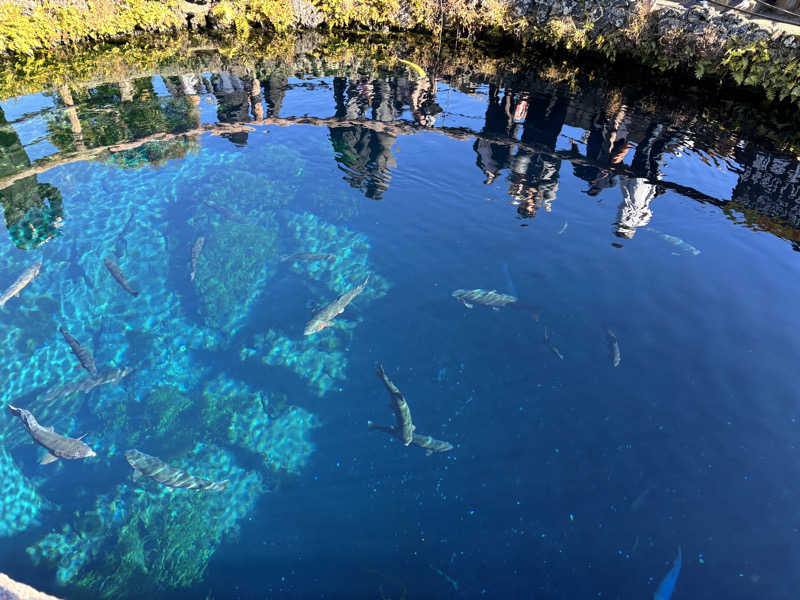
column 430, row 444
column 226, row 212
column 613, row 348
column 117, row 274
column 546, row 336
column 84, row 356
column 556, row 351
column 197, row 248
column 20, row 282
column 307, row 256
column 402, row 414
column 155, row 468
column 563, row 228
column 486, row 297
column 57, row 445
column 87, row 384
column 667, row 586
column 324, row 317
column 676, row 241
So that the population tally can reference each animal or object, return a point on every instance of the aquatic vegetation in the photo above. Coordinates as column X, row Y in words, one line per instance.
column 20, row 503
column 238, row 260
column 145, row 528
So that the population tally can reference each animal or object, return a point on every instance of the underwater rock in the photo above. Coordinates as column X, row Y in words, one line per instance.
column 155, row 531
column 265, row 425
column 19, row 502
column 351, row 251
column 238, row 260
column 283, row 442
column 321, row 367
column 14, row 590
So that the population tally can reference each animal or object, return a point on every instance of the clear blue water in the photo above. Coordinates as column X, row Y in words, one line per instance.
column 569, row 477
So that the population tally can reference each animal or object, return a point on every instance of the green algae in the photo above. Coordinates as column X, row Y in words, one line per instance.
column 235, row 265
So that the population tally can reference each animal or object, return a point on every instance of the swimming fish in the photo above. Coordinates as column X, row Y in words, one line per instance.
column 676, row 241
column 402, row 414
column 556, row 351
column 57, row 445
column 197, row 248
column 546, row 336
column 20, row 282
column 87, row 384
column 479, row 296
column 324, row 317
column 226, row 212
column 430, row 444
column 83, row 355
column 563, row 228
column 667, row 586
column 307, row 256
column 155, row 468
column 116, row 273
column 613, row 348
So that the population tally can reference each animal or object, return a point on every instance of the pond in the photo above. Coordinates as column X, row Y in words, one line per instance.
column 581, row 288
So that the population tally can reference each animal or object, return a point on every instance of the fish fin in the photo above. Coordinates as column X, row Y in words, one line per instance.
column 137, row 474
column 47, row 459
column 428, row 452
column 50, row 429
column 468, row 305
column 80, row 438
column 495, row 308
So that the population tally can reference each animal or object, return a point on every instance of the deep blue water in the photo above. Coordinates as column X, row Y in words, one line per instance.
column 569, row 477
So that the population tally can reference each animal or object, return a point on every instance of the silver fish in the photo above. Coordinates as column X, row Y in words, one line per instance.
column 117, row 274
column 57, row 445
column 307, row 256
column 402, row 414
column 197, row 248
column 20, row 282
column 155, row 468
column 556, row 351
column 87, row 384
column 324, row 317
column 480, row 296
column 430, row 444
column 613, row 348
column 84, row 356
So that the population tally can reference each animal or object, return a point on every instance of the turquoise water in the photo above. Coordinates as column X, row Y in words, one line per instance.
column 569, row 476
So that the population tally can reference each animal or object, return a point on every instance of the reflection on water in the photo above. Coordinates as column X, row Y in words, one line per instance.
column 545, row 266
column 613, row 140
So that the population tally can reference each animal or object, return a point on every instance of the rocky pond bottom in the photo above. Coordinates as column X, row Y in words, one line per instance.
column 353, row 327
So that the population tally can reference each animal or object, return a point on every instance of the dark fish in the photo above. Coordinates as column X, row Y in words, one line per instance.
column 197, row 248
column 226, row 212
column 324, row 317
column 87, row 384
column 155, row 468
column 116, row 273
column 402, row 414
column 613, row 348
column 20, row 282
column 57, row 445
column 84, row 356
column 430, row 444
column 307, row 256
column 480, row 296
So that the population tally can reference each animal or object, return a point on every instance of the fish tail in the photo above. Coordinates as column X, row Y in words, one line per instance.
column 14, row 409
